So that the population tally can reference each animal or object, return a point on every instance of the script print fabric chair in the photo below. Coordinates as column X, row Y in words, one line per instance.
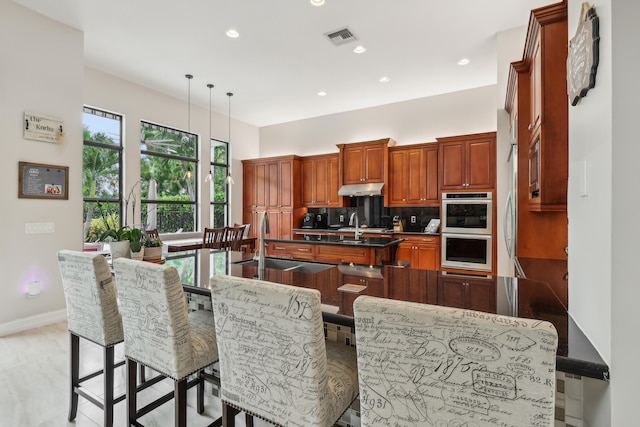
column 421, row 364
column 274, row 360
column 92, row 313
column 161, row 334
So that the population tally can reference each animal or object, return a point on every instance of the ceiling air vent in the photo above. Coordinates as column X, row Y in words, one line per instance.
column 340, row 37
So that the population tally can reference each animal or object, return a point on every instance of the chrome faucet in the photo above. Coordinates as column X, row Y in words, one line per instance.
column 264, row 229
column 357, row 232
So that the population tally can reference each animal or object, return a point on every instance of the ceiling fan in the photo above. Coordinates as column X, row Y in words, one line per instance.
column 165, row 144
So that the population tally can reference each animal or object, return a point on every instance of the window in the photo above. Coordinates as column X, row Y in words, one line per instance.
column 168, row 185
column 219, row 186
column 101, row 172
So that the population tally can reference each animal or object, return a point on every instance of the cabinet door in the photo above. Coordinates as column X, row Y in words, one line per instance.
column 333, row 181
column 432, row 195
column 405, row 252
column 308, row 182
column 271, row 177
column 481, row 295
column 416, row 178
column 428, row 256
column 452, row 164
column 321, row 183
column 397, row 178
column 452, row 292
column 353, row 161
column 285, row 225
column 535, row 83
column 480, row 159
column 285, row 184
column 374, row 163
column 261, row 185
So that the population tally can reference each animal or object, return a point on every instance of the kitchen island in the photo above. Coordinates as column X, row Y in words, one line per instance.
column 374, row 251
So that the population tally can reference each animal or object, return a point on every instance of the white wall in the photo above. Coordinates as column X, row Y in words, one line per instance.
column 138, row 103
column 410, row 122
column 40, row 71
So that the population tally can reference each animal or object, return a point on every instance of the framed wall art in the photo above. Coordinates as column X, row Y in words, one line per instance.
column 40, row 181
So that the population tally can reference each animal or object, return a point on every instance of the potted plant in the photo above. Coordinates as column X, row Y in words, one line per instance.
column 118, row 241
column 152, row 248
column 134, row 236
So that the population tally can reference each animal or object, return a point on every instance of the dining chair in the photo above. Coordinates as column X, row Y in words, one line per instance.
column 421, row 364
column 152, row 233
column 274, row 361
column 160, row 333
column 234, row 236
column 213, row 238
column 93, row 315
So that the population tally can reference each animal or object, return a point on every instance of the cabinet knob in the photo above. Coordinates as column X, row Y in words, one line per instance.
column 530, row 127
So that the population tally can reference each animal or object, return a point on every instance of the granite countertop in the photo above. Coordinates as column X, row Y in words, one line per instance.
column 508, row 296
column 319, row 239
column 363, row 230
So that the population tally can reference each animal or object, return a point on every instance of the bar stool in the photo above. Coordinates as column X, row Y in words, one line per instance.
column 161, row 334
column 92, row 313
column 274, row 361
column 422, row 364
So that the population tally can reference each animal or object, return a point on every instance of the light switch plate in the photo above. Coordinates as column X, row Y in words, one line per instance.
column 413, row 219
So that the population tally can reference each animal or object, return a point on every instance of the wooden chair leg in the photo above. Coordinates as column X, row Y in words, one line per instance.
column 109, row 367
column 74, row 368
column 228, row 415
column 248, row 420
column 180, row 400
column 131, row 392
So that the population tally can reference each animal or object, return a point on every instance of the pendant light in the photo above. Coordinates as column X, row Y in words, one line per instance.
column 229, row 177
column 188, row 174
column 209, row 177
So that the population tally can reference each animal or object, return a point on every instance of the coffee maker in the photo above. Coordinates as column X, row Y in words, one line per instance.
column 309, row 220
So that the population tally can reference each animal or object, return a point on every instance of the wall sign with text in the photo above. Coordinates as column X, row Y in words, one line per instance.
column 39, row 127
column 583, row 57
column 39, row 181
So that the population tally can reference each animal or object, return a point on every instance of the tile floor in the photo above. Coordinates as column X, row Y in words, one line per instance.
column 34, row 391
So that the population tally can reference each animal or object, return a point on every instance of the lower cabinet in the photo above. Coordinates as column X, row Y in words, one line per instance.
column 423, row 252
column 290, row 250
column 467, row 292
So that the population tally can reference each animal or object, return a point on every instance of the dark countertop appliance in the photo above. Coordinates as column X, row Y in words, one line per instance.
column 314, row 220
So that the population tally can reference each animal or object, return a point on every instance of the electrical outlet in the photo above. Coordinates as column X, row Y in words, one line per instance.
column 341, row 218
column 413, row 219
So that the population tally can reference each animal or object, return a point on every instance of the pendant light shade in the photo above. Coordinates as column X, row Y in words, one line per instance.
column 229, row 177
column 209, row 177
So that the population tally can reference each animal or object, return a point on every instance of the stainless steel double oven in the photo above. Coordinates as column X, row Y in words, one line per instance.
column 467, row 230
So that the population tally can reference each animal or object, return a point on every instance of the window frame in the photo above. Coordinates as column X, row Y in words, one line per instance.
column 212, row 167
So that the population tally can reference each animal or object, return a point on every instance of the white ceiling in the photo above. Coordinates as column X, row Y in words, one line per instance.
column 282, row 59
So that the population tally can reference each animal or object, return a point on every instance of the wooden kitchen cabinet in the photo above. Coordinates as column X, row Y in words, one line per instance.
column 273, row 185
column 467, row 162
column 541, row 82
column 467, row 292
column 423, row 252
column 364, row 162
column 413, row 176
column 290, row 250
column 321, row 181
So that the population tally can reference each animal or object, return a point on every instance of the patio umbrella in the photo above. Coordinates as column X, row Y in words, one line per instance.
column 152, row 213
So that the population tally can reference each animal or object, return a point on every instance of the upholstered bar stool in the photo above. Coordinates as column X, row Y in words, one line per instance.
column 92, row 313
column 421, row 364
column 161, row 334
column 274, row 360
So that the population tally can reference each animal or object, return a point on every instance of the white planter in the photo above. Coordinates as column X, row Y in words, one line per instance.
column 119, row 249
column 153, row 253
column 138, row 255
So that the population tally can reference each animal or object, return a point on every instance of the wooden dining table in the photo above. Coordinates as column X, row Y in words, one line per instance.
column 197, row 244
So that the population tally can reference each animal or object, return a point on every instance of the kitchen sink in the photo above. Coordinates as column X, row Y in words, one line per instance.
column 289, row 265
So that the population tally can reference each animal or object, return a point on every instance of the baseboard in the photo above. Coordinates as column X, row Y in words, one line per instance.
column 32, row 322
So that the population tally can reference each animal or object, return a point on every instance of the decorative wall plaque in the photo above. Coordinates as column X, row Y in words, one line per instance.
column 40, row 127
column 582, row 59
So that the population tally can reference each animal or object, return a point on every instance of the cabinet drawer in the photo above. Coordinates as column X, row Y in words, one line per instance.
column 290, row 250
column 342, row 254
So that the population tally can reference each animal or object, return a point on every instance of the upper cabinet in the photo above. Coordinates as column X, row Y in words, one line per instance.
column 413, row 176
column 321, row 181
column 467, row 162
column 538, row 90
column 364, row 162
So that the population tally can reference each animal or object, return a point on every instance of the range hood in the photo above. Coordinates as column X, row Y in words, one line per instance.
column 369, row 189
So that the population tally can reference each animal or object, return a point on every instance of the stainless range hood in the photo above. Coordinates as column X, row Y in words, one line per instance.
column 370, row 189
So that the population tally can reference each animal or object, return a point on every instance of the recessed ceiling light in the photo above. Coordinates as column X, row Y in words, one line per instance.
column 359, row 49
column 384, row 79
column 233, row 33
column 322, row 93
column 464, row 61
column 317, row 2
